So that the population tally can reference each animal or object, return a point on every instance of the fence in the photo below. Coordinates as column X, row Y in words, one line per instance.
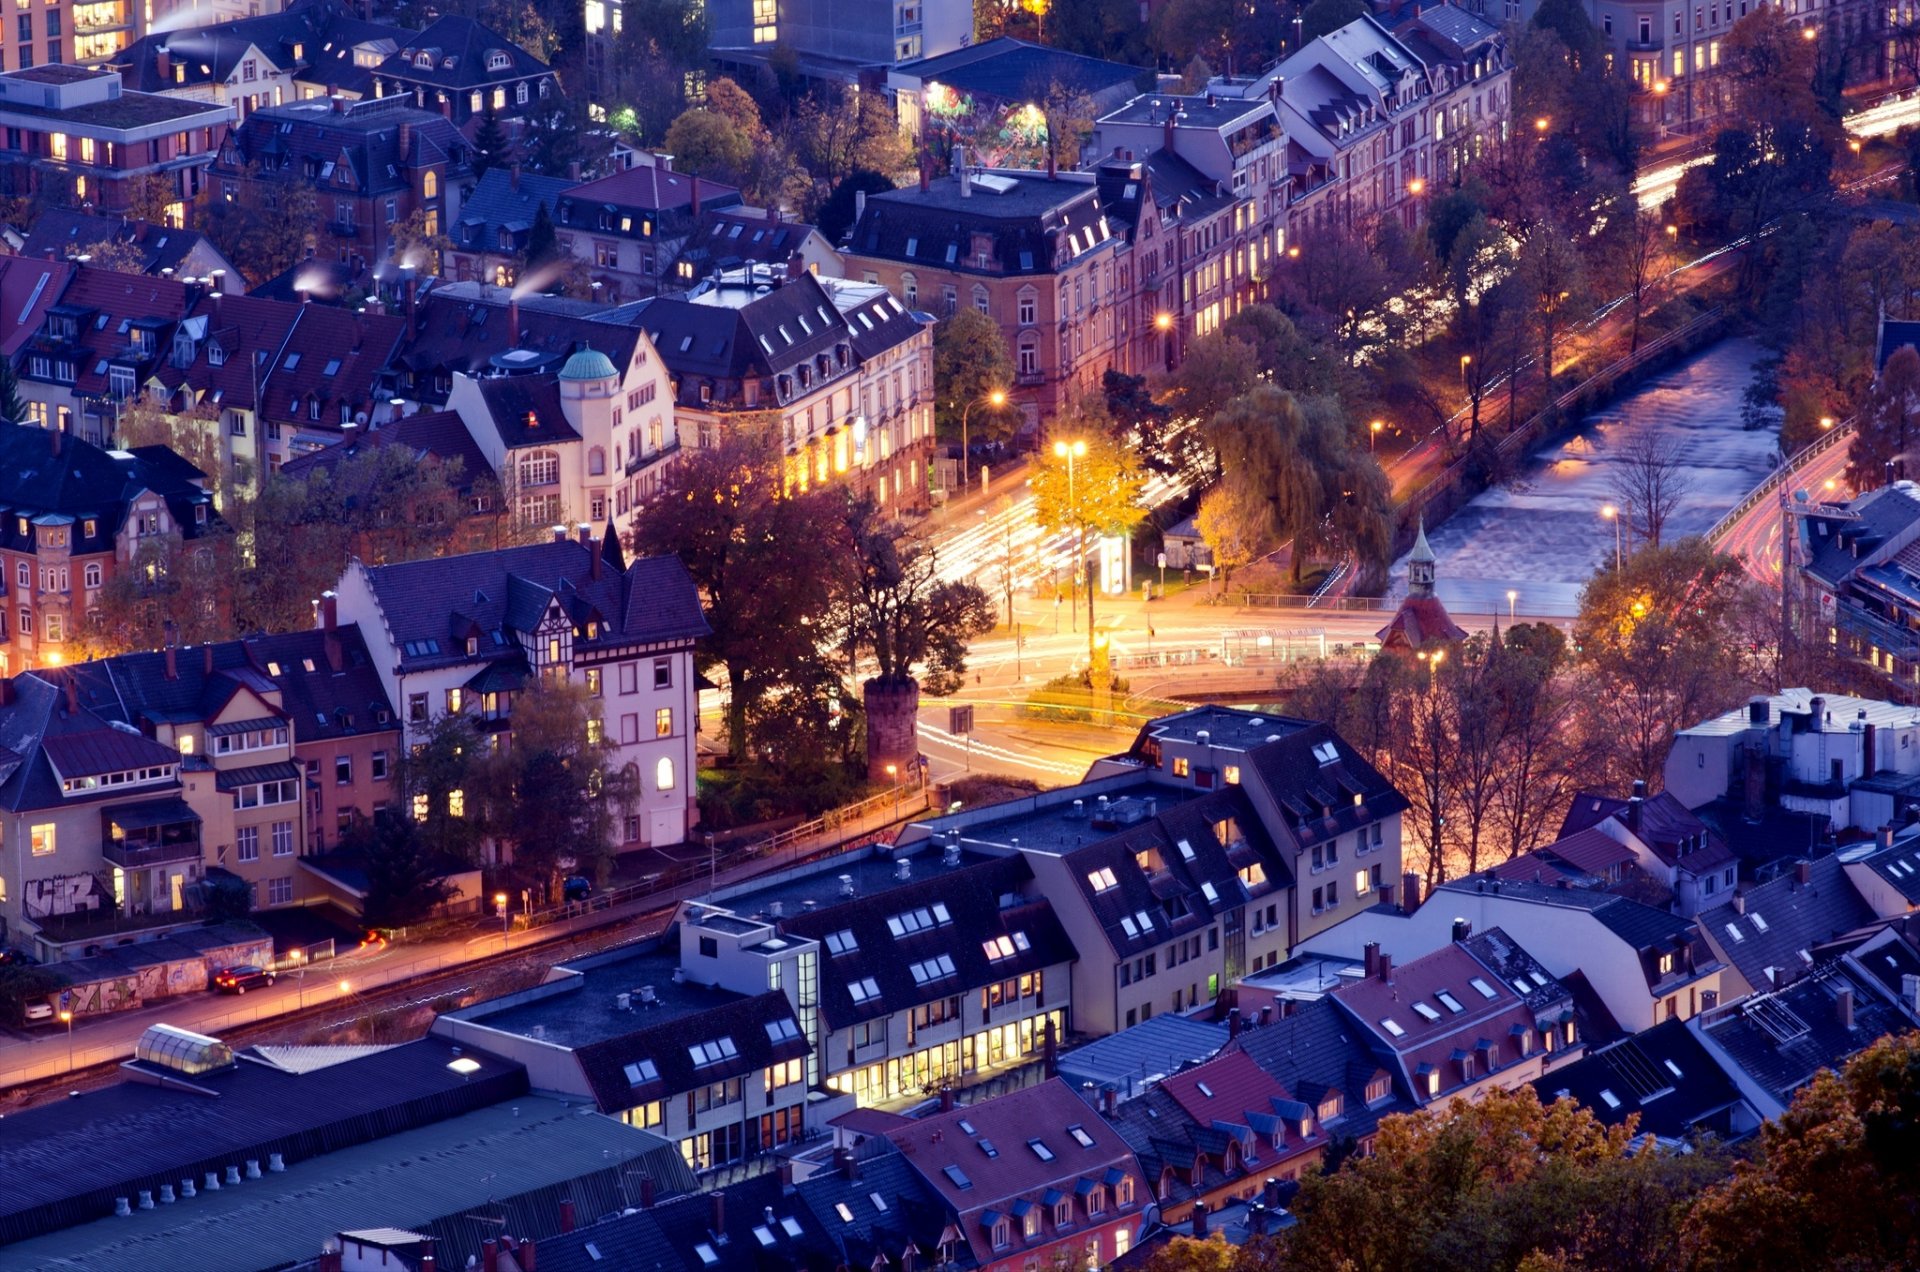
column 1779, row 476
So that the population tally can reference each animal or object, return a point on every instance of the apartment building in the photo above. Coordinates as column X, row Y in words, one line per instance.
column 69, row 129
column 461, row 69
column 629, row 229
column 76, row 515
column 836, row 39
column 1032, row 250
column 469, row 633
column 1669, row 844
column 489, row 241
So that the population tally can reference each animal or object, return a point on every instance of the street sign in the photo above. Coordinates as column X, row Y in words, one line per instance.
column 960, row 721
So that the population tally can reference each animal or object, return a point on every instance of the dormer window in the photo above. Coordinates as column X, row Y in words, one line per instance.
column 424, row 61
column 499, row 61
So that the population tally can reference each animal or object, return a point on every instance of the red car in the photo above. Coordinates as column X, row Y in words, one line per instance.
column 238, row 980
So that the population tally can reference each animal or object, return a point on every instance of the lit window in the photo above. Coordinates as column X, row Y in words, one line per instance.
column 663, row 774
column 43, row 835
column 456, row 803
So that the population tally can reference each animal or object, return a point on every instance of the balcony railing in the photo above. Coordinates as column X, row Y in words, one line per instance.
column 136, row 854
column 647, row 460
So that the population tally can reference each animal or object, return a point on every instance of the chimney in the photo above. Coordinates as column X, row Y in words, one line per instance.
column 1410, row 891
column 340, row 108
column 529, row 1262
column 566, row 1214
column 796, row 266
column 1370, row 959
column 717, row 1211
column 1884, row 836
column 946, row 1099
column 1843, row 1009
column 1270, row 1192
column 1166, row 134
column 1199, row 1221
column 849, row 1165
column 1257, row 1219
column 1757, row 710
column 646, row 1193
column 330, row 1261
column 559, row 534
column 490, row 1248
column 1803, row 871
column 513, row 321
column 1635, row 802
column 330, row 624
column 206, row 659
column 1869, row 753
column 163, row 65
column 1462, row 929
column 1110, row 1096
column 1233, row 1023
column 1739, row 903
column 513, row 175
column 1386, row 967
column 403, row 142
column 173, row 639
column 427, row 1261
column 1817, row 708
column 73, row 693
column 1050, row 1051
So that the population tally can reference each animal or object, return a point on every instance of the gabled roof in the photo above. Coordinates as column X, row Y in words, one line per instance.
column 44, row 473
column 1319, row 1046
column 67, row 231
column 1772, row 934
column 1665, row 825
column 1663, row 1075
column 505, row 201
column 1038, row 225
column 1781, row 1039
column 728, row 237
column 366, row 135
column 460, row 53
column 667, row 1043
column 1420, row 621
column 1225, row 1088
column 315, row 40
column 28, row 288
column 644, row 188
column 525, row 410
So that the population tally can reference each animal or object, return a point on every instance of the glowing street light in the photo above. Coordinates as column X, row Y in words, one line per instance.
column 1541, row 125
column 66, row 1018
column 1163, row 322
column 1513, row 598
column 1808, row 32
column 1612, row 514
column 1673, row 232
column 996, row 398
column 1071, row 451
column 500, row 905
column 1417, row 187
column 1373, row 433
column 1826, row 422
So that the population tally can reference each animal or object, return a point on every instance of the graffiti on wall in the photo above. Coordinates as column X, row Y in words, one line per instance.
column 66, row 894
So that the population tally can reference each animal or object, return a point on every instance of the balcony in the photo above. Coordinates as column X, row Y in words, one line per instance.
column 343, row 229
column 1030, row 377
column 155, row 832
column 646, row 460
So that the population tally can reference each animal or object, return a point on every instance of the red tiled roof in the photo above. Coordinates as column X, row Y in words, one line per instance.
column 1224, row 1089
column 1420, row 621
column 27, row 288
column 1591, row 850
column 647, row 186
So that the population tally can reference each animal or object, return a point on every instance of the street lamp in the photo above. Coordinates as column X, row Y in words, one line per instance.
column 1163, row 323
column 1853, row 144
column 1373, row 434
column 499, row 904
column 996, row 397
column 1512, row 598
column 66, row 1018
column 1541, row 125
column 893, row 776
column 1071, row 451
column 1417, row 187
column 1826, row 422
column 1808, row 33
column 1612, row 514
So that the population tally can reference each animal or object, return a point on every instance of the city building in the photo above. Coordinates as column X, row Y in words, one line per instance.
column 67, row 234
column 1318, row 1052
column 1643, row 964
column 727, row 240
column 719, row 1073
column 459, row 68
column 75, row 516
column 1475, row 1015
column 108, row 337
column 1857, row 576
column 1768, row 931
column 1132, row 1060
column 967, row 93
column 477, row 329
column 841, row 370
column 629, row 229
column 1421, row 622
column 1032, row 250
column 1586, row 859
column 469, row 633
column 78, row 135
column 586, row 445
column 835, row 40
column 1886, row 870
column 1214, row 846
column 1032, row 1175
column 1669, row 844
column 490, row 238
column 372, row 164
column 315, row 48
column 1664, row 1079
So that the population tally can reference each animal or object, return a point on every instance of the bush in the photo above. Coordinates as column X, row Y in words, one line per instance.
column 21, row 984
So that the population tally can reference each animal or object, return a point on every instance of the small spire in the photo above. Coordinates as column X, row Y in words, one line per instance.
column 1422, row 550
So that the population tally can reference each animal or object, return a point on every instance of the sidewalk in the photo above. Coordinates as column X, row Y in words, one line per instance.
column 347, row 980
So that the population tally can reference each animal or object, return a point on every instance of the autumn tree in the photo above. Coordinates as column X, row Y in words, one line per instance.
column 435, row 779
column 763, row 559
column 416, row 245
column 115, row 254
column 834, row 134
column 1553, row 276
column 1087, row 485
column 553, row 795
column 1640, row 256
column 970, row 364
column 152, row 198
column 266, row 227
column 1228, row 527
column 1888, row 426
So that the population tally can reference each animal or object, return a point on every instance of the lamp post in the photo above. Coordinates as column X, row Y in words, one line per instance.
column 1513, row 598
column 1163, row 323
column 1373, row 434
column 300, row 960
column 1071, row 451
column 500, row 904
column 998, row 398
column 66, row 1018
column 893, row 776
column 1612, row 514
column 713, row 863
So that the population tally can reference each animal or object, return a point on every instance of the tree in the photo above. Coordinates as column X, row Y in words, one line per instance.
column 152, row 198
column 1499, row 1182
column 1832, row 1182
column 1228, row 527
column 705, row 142
column 1888, row 426
column 552, row 795
column 268, row 226
column 1650, row 480
column 1637, row 245
column 1551, row 272
column 490, row 144
column 896, row 608
column 543, row 244
column 415, row 245
column 405, row 881
column 834, row 218
column 763, row 558
column 1323, row 17
column 120, row 256
column 560, row 134
column 834, row 134
column 1087, row 485
column 970, row 362
column 11, row 408
column 1165, row 444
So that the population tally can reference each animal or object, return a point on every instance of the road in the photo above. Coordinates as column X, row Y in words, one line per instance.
column 1754, row 536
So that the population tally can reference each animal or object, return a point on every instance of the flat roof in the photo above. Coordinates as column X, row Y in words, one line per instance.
column 583, row 1010
column 869, row 874
column 1228, row 727
column 128, row 110
column 1307, row 975
column 1148, row 1051
column 1028, row 194
column 405, row 1181
column 1198, row 112
column 1058, row 827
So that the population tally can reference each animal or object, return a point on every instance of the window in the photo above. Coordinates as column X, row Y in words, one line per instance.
column 279, row 891
column 417, row 708
column 663, row 724
column 663, row 774
column 247, row 843
column 663, row 673
column 42, row 837
column 1002, row 1234
column 379, row 766
column 283, row 839
column 343, row 770
column 1181, row 768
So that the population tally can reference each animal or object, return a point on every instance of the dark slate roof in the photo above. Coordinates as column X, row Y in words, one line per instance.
column 1322, row 801
column 1006, row 70
column 1784, row 920
column 526, row 410
column 66, row 231
column 458, row 49
column 1778, row 832
column 365, row 135
column 1781, row 1039
column 28, row 288
column 1318, row 1046
column 105, row 306
column 1894, row 335
column 1648, row 931
column 1897, row 865
column 1665, row 825
column 914, row 1212
column 1881, row 513
column 505, row 202
column 791, row 326
column 1663, row 1075
column 971, row 895
column 653, row 599
column 1039, row 225
column 464, row 327
column 727, row 238
column 1127, row 1059
column 67, row 1161
column 666, row 1043
column 440, row 434
column 640, row 189
column 47, row 473
column 672, row 1234
column 324, row 32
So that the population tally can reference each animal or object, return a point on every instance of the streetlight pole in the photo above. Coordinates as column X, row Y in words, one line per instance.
column 1070, row 452
column 997, row 397
column 1512, row 598
column 1373, row 434
column 500, row 904
column 67, row 1018
column 1612, row 514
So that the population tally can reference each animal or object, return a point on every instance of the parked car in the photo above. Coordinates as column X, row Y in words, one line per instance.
column 238, row 980
column 577, row 888
column 38, row 1011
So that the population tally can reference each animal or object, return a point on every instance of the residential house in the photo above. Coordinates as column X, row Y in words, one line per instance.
column 1210, row 1134
column 1669, row 843
column 316, row 48
column 1217, row 843
column 719, row 1073
column 490, row 239
column 1319, row 1052
column 1034, row 251
column 1465, row 53
column 1132, row 1060
column 478, row 330
column 66, row 234
column 107, row 338
column 1662, row 1077
column 1886, row 870
column 727, row 240
column 468, row 633
column 459, row 68
column 964, row 93
column 1211, row 220
column 841, row 370
column 834, row 41
column 1476, row 1015
column 1588, row 858
column 372, row 164
column 1032, row 1175
column 81, row 131
column 76, row 516
column 1858, row 570
column 630, row 228
column 1768, row 931
column 1643, row 964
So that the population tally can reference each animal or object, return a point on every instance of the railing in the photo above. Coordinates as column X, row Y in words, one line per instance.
column 133, row 854
column 1779, row 476
column 644, row 459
